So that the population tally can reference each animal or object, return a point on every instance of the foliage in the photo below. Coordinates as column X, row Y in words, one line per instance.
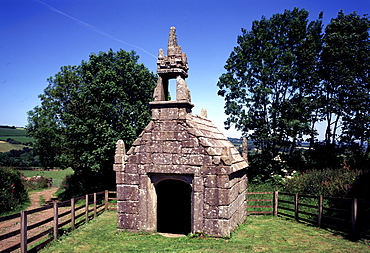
column 84, row 111
column 268, row 84
column 327, row 182
column 12, row 192
column 286, row 76
column 37, row 183
column 19, row 158
column 345, row 73
column 259, row 233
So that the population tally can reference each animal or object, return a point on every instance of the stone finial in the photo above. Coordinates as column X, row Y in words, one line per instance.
column 160, row 54
column 174, row 65
column 245, row 149
column 120, row 152
column 203, row 113
column 173, row 47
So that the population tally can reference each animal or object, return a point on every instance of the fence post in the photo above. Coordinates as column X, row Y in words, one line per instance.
column 354, row 217
column 73, row 222
column 105, row 200
column 296, row 207
column 319, row 212
column 94, row 204
column 23, row 231
column 276, row 200
column 55, row 206
column 87, row 208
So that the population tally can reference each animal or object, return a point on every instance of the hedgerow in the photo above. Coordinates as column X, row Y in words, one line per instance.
column 12, row 191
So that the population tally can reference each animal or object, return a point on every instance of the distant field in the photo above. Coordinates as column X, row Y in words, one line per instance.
column 6, row 147
column 18, row 134
column 56, row 175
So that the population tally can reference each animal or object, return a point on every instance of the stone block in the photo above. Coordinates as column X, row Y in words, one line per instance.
column 156, row 113
column 144, row 158
column 207, row 160
column 216, row 196
column 118, row 159
column 132, row 159
column 128, row 192
column 173, row 147
column 147, row 136
column 214, row 151
column 210, row 212
column 182, row 113
column 161, row 158
column 154, row 147
column 178, row 158
column 216, row 227
column 118, row 167
column 144, row 181
column 131, row 168
column 128, row 207
column 198, row 217
column 155, row 136
column 119, row 177
column 192, row 159
column 223, row 181
column 216, row 160
column 142, row 169
column 130, row 179
column 224, row 212
column 210, row 181
column 173, row 113
column 127, row 221
column 190, row 143
column 181, row 136
column 198, row 184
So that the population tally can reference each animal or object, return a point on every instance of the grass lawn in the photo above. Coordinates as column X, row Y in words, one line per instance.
column 258, row 234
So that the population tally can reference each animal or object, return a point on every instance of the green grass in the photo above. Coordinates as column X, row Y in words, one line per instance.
column 258, row 234
column 12, row 132
column 6, row 147
column 18, row 134
column 57, row 176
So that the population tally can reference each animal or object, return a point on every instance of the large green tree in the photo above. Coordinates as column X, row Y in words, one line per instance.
column 345, row 73
column 271, row 81
column 285, row 76
column 85, row 109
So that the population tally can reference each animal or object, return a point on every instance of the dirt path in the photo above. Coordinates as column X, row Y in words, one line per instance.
column 12, row 225
column 46, row 194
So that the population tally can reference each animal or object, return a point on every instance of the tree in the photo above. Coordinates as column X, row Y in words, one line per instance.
column 345, row 73
column 270, row 86
column 85, row 109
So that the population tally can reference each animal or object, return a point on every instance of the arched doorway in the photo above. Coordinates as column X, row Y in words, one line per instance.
column 173, row 207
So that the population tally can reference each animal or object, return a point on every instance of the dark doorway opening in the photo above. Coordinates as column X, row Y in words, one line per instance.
column 173, row 207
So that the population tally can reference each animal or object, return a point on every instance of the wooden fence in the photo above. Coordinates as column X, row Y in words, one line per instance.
column 262, row 203
column 79, row 211
column 351, row 216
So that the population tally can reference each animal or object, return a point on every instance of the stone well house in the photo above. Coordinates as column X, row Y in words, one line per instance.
column 181, row 175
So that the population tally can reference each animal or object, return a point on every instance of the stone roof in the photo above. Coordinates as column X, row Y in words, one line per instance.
column 192, row 141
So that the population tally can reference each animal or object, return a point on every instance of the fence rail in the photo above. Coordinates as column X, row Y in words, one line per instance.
column 351, row 216
column 94, row 204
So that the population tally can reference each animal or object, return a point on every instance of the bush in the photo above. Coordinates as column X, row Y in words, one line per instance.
column 327, row 182
column 37, row 182
column 12, row 192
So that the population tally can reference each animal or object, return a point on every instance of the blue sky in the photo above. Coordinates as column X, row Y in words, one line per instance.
column 38, row 37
